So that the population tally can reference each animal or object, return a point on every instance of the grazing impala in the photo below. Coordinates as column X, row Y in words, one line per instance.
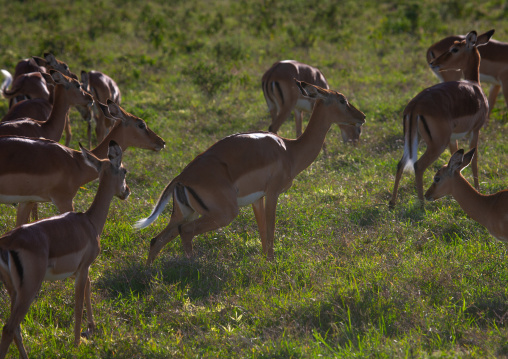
column 493, row 66
column 57, row 248
column 445, row 112
column 242, row 169
column 38, row 170
column 490, row 211
column 283, row 97
column 102, row 87
column 67, row 93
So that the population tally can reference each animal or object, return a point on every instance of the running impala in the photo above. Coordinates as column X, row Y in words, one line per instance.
column 445, row 112
column 247, row 168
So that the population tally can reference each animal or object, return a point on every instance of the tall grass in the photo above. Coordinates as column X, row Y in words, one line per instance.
column 350, row 277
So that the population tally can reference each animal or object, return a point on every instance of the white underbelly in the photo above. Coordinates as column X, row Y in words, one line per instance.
column 458, row 136
column 5, row 198
column 50, row 276
column 249, row 199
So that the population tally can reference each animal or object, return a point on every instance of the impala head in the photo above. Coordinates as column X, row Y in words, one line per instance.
column 50, row 62
column 110, row 170
column 443, row 180
column 75, row 94
column 139, row 134
column 344, row 112
column 461, row 53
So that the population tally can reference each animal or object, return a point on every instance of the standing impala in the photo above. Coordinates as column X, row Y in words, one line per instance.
column 247, row 168
column 493, row 66
column 103, row 88
column 67, row 93
column 38, row 170
column 490, row 211
column 57, row 248
column 445, row 112
column 283, row 96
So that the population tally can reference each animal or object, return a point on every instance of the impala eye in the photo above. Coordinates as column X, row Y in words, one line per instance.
column 455, row 50
column 436, row 179
column 142, row 125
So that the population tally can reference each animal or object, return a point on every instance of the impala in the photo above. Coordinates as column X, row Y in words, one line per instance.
column 493, row 66
column 445, row 112
column 22, row 67
column 38, row 170
column 38, row 88
column 50, row 62
column 490, row 211
column 283, row 96
column 67, row 93
column 102, row 87
column 242, row 169
column 57, row 248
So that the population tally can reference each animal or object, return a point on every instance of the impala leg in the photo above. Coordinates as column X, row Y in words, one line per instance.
column 279, row 119
column 474, row 162
column 21, row 299
column 431, row 154
column 270, row 209
column 493, row 92
column 298, row 122
column 168, row 234
column 23, row 213
column 453, row 146
column 88, row 302
column 100, row 128
column 398, row 175
column 68, row 130
column 259, row 212
column 89, row 133
column 215, row 218
column 79, row 297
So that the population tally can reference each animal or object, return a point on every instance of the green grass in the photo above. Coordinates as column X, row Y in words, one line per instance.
column 350, row 277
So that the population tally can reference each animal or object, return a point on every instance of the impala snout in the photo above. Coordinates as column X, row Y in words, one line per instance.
column 125, row 193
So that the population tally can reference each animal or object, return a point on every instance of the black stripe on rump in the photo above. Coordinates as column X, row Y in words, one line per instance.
column 17, row 263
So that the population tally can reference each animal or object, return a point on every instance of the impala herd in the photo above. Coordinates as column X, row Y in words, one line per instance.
column 35, row 167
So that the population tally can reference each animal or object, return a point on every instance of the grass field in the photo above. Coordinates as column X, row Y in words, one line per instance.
column 350, row 278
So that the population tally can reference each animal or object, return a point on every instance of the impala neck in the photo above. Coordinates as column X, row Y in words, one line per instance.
column 476, row 205
column 472, row 70
column 98, row 211
column 101, row 151
column 306, row 148
column 56, row 121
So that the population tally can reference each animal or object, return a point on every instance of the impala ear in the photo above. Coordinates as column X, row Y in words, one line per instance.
column 48, row 78
column 90, row 159
column 105, row 110
column 311, row 91
column 459, row 160
column 50, row 58
column 40, row 61
column 471, row 39
column 84, row 80
column 114, row 109
column 115, row 154
column 484, row 38
column 58, row 77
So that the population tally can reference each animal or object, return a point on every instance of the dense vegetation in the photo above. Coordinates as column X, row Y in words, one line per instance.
column 351, row 277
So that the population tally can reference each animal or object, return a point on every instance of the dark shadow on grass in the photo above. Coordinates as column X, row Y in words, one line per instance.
column 193, row 275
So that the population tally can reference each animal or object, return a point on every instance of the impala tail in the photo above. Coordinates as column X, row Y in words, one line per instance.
column 164, row 199
column 410, row 143
column 7, row 82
